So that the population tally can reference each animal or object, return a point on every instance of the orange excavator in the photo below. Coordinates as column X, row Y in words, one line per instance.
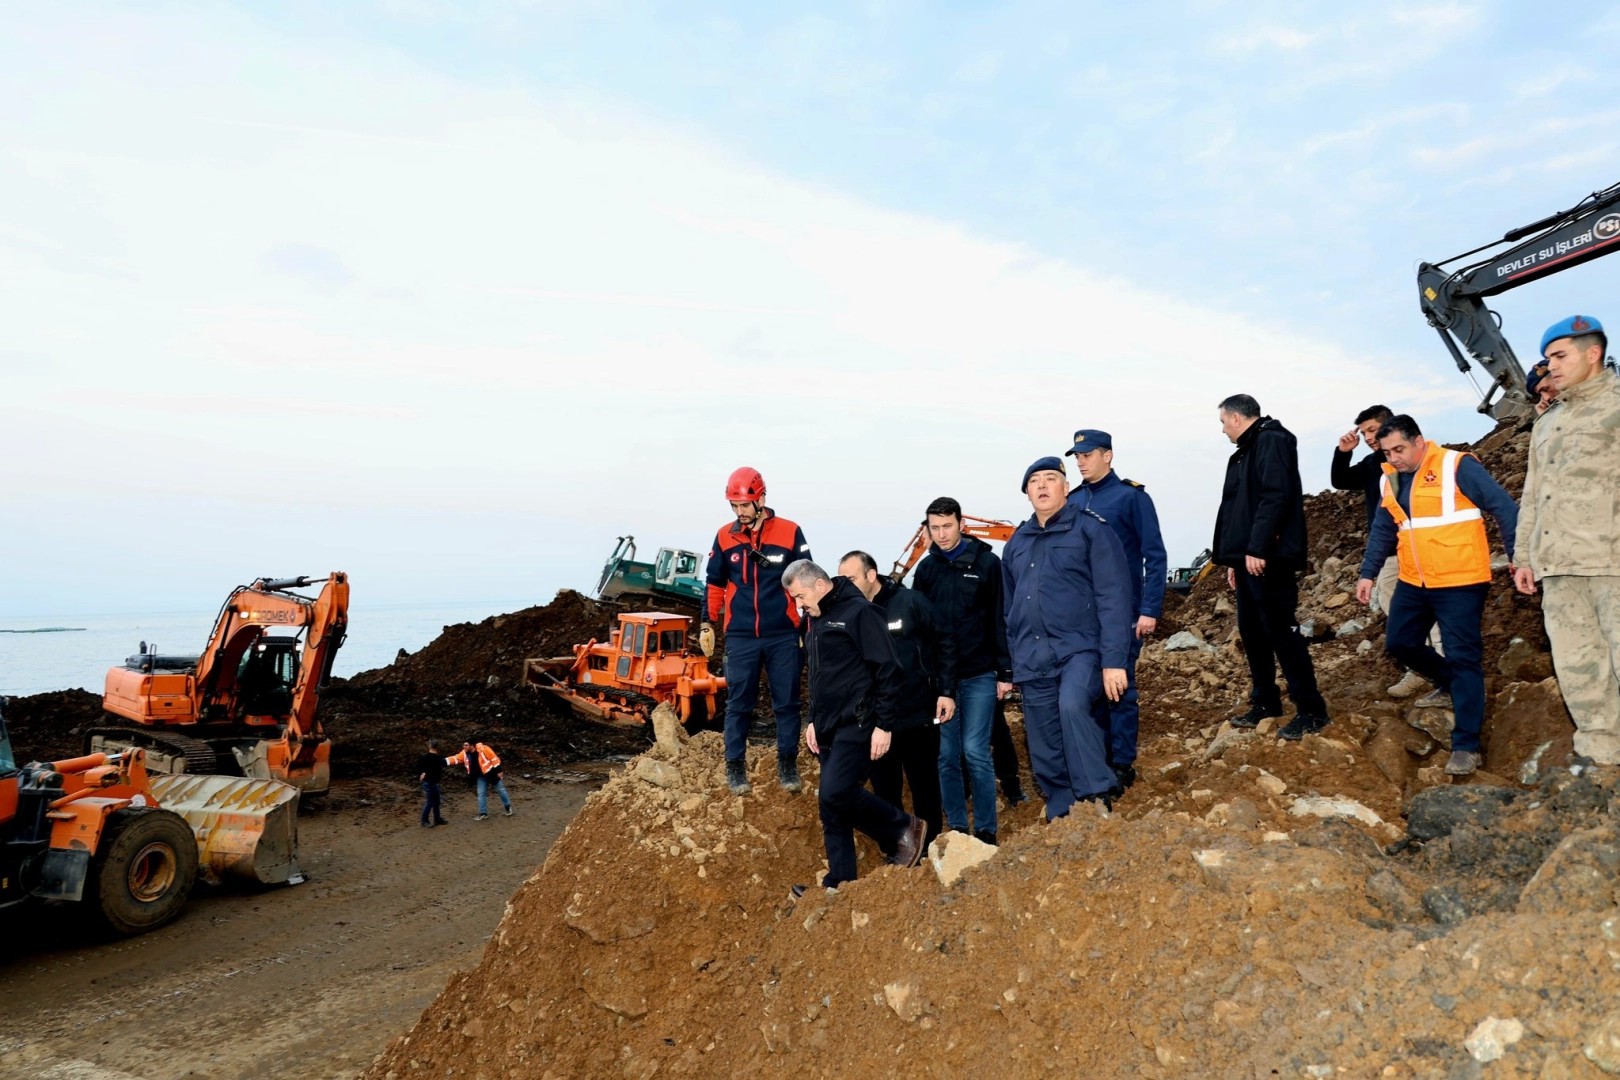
column 918, row 545
column 644, row 663
column 246, row 706
column 98, row 830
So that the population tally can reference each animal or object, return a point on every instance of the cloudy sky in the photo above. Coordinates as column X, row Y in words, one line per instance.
column 450, row 294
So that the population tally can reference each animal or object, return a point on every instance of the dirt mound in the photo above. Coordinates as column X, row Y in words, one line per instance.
column 1252, row 907
column 50, row 727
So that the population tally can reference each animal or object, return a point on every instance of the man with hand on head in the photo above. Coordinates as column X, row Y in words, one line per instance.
column 855, row 694
column 1128, row 510
column 1069, row 631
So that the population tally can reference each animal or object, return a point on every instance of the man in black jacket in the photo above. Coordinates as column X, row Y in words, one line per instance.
column 1260, row 539
column 927, row 661
column 961, row 577
column 855, row 688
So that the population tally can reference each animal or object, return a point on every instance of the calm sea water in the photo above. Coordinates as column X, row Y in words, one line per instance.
column 79, row 659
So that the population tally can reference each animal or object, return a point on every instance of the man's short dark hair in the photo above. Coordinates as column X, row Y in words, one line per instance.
column 433, row 744
column 1402, row 425
column 1380, row 413
column 1242, row 405
column 1586, row 341
column 867, row 562
column 945, row 506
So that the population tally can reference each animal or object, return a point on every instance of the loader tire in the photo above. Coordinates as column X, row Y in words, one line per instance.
column 144, row 870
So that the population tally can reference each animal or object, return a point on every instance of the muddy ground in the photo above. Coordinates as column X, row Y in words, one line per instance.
column 1333, row 907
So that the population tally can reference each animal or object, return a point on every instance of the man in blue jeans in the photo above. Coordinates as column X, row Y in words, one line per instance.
column 483, row 765
column 961, row 577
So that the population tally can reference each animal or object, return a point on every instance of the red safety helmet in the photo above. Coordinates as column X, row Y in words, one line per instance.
column 745, row 485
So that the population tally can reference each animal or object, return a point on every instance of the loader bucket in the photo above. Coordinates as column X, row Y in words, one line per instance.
column 245, row 828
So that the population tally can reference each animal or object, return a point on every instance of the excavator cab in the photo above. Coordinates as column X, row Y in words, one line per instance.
column 265, row 679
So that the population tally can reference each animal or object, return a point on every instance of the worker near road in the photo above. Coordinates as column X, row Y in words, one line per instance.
column 1569, row 536
column 1068, row 600
column 961, row 577
column 429, row 773
column 1431, row 518
column 856, row 688
column 761, row 625
column 1128, row 509
column 927, row 662
column 483, row 766
column 1260, row 539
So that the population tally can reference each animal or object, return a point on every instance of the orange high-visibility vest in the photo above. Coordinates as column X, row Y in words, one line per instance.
column 1442, row 543
column 488, row 762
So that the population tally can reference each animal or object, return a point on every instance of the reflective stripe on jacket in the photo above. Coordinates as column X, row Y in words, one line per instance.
column 488, row 760
column 1442, row 543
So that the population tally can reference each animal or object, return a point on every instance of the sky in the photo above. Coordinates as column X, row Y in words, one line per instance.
column 449, row 295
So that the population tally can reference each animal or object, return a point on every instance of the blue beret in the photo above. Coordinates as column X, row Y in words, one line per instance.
column 1574, row 326
column 1537, row 373
column 1088, row 439
column 1053, row 464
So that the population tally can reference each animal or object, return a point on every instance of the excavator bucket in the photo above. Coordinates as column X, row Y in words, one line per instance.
column 245, row 828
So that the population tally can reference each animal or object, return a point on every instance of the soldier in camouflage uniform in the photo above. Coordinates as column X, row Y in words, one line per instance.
column 1569, row 536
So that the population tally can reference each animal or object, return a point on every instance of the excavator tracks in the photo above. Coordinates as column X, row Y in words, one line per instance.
column 165, row 753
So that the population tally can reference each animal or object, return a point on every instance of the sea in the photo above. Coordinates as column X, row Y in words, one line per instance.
column 41, row 653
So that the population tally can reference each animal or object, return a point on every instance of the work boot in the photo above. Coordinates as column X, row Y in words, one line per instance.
column 1252, row 718
column 1302, row 725
column 1434, row 699
column 1126, row 775
column 1409, row 684
column 737, row 778
column 787, row 774
column 1462, row 762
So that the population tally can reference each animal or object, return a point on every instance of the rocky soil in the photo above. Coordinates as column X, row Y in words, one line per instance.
column 1333, row 907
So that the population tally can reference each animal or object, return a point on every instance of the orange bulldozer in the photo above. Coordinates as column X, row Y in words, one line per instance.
column 644, row 663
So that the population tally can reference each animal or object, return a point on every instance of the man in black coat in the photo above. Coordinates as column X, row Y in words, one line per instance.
column 927, row 659
column 1260, row 539
column 855, row 688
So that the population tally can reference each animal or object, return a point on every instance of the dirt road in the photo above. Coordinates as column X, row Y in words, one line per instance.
column 309, row 981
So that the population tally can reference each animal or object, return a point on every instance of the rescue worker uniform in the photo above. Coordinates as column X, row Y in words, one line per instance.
column 927, row 658
column 1262, row 514
column 964, row 586
column 1068, row 607
column 484, row 766
column 1569, row 536
column 1431, row 520
column 761, row 624
column 855, row 686
column 1128, row 510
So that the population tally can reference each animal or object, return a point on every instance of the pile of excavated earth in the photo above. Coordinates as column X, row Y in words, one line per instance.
column 1249, row 908
column 1332, row 907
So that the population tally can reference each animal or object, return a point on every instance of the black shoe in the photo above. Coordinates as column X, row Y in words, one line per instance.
column 986, row 836
column 1014, row 794
column 1252, row 718
column 787, row 774
column 737, row 778
column 438, row 823
column 1302, row 725
column 1126, row 774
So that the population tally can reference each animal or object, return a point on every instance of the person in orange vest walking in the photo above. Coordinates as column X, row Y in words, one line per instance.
column 483, row 765
column 1429, row 515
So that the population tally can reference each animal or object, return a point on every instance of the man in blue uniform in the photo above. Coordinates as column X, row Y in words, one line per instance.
column 1128, row 509
column 1068, row 602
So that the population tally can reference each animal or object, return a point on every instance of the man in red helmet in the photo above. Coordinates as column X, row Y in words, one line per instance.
column 761, row 624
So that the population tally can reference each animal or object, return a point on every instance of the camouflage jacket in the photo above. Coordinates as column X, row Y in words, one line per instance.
column 1568, row 522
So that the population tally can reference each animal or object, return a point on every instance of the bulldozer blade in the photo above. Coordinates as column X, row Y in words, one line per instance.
column 245, row 828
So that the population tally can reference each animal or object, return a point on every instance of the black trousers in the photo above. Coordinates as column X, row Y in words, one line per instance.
column 1004, row 754
column 913, row 759
column 846, row 805
column 1266, row 622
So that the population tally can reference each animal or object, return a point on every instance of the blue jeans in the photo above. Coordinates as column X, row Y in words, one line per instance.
column 1122, row 719
column 1413, row 612
column 1068, row 751
column 782, row 659
column 430, row 802
column 484, row 784
column 968, row 734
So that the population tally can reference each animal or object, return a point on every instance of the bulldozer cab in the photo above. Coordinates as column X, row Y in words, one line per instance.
column 644, row 645
column 673, row 564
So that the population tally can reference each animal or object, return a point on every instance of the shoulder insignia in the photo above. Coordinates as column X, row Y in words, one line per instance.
column 1136, row 484
column 1093, row 513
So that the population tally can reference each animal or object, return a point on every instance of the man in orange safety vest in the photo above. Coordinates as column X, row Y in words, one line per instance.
column 483, row 765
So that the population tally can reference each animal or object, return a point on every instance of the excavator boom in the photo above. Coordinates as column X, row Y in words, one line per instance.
column 1453, row 301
